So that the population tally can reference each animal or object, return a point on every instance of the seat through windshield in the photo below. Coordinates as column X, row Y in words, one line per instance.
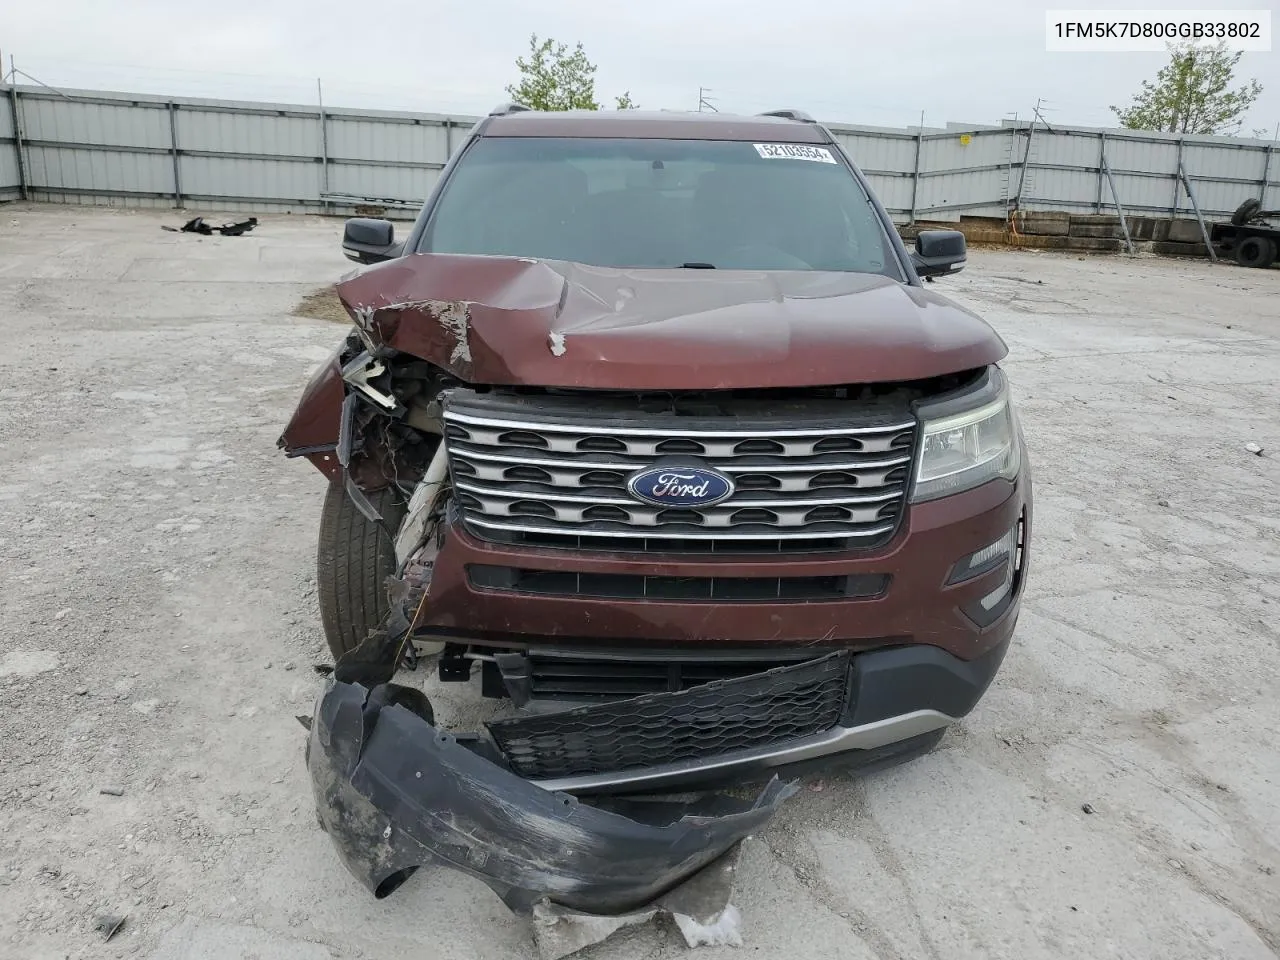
column 634, row 203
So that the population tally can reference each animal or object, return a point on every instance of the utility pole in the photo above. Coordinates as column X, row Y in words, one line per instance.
column 704, row 102
column 324, row 148
column 1026, row 157
column 915, row 173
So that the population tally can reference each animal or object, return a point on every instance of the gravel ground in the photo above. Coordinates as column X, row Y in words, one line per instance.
column 1116, row 794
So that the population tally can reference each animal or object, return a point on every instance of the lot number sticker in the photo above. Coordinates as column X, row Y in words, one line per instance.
column 794, row 151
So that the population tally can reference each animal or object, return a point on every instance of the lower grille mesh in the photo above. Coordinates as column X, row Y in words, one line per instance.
column 711, row 719
column 618, row 586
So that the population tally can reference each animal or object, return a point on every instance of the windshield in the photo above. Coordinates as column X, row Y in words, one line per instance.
column 660, row 203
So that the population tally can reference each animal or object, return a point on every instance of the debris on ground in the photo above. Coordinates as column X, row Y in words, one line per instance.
column 1087, row 807
column 108, row 924
column 112, row 791
column 198, row 225
column 1254, row 448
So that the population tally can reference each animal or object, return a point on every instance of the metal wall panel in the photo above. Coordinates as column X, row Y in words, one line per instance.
column 1142, row 194
column 949, row 153
column 87, row 146
column 6, row 115
column 1224, row 176
column 291, row 181
column 1269, row 193
column 878, row 150
column 395, row 183
column 106, row 171
column 962, row 192
column 363, row 139
column 1157, row 155
column 254, row 133
column 1060, row 190
column 56, row 120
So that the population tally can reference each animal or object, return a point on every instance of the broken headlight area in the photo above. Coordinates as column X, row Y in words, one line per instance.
column 395, row 794
column 389, row 426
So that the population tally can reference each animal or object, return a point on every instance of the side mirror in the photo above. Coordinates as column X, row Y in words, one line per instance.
column 939, row 252
column 366, row 240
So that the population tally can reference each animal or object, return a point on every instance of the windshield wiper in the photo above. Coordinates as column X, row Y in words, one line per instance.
column 697, row 265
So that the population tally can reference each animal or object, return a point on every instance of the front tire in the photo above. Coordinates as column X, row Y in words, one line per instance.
column 354, row 558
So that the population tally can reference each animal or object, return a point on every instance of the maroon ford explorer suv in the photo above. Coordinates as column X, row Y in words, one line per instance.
column 651, row 427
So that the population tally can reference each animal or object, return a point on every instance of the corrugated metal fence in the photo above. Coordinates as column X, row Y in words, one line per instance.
column 135, row 150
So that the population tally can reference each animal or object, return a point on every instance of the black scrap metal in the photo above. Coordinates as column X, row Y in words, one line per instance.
column 198, row 225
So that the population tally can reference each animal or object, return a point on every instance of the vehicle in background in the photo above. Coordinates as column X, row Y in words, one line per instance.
column 1249, row 238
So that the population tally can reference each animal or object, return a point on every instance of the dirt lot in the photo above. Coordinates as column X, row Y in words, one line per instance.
column 160, row 628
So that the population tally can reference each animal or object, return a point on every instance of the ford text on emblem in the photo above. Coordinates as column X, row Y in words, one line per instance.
column 680, row 486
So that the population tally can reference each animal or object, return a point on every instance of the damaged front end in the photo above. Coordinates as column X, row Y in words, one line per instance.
column 396, row 793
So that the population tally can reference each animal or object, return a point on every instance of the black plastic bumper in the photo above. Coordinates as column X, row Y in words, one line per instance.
column 888, row 683
column 394, row 793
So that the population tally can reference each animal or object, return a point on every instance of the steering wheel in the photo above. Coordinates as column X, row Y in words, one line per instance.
column 754, row 254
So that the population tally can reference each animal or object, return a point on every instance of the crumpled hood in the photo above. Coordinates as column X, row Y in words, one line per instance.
column 504, row 320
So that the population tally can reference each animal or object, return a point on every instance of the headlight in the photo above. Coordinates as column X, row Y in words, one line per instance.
column 963, row 450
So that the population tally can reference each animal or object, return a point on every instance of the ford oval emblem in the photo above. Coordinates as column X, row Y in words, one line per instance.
column 680, row 486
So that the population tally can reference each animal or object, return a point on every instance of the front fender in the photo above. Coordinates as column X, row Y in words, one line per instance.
column 313, row 430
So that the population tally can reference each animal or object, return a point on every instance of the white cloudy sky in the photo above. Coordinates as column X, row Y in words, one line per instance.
column 859, row 62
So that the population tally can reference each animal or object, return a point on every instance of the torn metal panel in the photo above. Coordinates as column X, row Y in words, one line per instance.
column 507, row 321
column 394, row 794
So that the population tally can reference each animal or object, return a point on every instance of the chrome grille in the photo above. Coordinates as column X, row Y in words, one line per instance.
column 534, row 475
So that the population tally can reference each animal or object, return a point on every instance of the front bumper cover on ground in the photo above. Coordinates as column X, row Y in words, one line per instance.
column 394, row 794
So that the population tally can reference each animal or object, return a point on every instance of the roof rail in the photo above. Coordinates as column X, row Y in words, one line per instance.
column 789, row 114
column 503, row 109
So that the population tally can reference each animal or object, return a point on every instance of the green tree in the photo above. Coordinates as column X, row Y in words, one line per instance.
column 1191, row 94
column 553, row 78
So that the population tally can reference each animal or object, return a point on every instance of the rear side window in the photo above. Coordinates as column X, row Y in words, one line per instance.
column 660, row 203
